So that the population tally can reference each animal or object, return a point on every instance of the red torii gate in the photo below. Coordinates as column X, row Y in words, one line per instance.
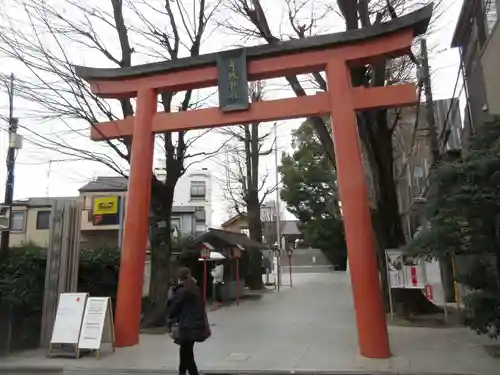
column 335, row 54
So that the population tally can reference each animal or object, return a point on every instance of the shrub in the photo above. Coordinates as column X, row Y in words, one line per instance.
column 463, row 209
column 98, row 272
column 22, row 282
column 22, row 275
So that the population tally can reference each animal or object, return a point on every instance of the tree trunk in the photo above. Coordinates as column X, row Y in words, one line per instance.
column 387, row 222
column 161, row 249
column 253, row 205
column 255, row 229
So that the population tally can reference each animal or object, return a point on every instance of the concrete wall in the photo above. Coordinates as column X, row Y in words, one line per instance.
column 87, row 209
column 99, row 238
column 30, row 233
column 489, row 62
column 182, row 193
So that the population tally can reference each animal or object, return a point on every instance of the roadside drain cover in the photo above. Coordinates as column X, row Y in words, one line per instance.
column 237, row 357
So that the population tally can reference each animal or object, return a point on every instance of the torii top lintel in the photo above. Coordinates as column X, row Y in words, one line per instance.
column 299, row 56
column 363, row 46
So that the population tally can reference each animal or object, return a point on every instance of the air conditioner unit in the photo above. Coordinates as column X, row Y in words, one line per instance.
column 4, row 218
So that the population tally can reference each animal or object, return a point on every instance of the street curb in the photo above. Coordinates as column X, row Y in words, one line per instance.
column 26, row 370
column 30, row 369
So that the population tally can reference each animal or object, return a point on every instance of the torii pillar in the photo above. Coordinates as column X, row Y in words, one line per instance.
column 335, row 54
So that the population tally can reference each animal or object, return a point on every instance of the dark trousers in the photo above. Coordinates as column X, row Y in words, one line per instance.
column 187, row 362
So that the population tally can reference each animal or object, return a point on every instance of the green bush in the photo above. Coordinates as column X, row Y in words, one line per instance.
column 98, row 272
column 463, row 209
column 22, row 276
column 482, row 300
column 22, row 282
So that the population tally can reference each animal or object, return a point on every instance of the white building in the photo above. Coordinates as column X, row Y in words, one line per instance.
column 194, row 189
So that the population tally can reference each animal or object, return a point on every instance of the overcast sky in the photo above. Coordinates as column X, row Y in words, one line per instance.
column 34, row 177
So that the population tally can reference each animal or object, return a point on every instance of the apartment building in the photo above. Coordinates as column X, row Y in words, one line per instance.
column 30, row 220
column 194, row 189
column 104, row 204
column 104, row 201
column 412, row 154
column 478, row 39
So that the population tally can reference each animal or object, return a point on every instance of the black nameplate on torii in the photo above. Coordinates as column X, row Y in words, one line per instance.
column 232, row 80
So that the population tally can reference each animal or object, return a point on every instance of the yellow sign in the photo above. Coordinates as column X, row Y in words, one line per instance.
column 106, row 205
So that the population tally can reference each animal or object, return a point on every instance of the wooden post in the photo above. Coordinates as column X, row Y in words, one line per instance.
column 63, row 255
column 136, row 229
column 370, row 318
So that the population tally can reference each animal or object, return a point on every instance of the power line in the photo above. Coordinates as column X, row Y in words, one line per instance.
column 461, row 69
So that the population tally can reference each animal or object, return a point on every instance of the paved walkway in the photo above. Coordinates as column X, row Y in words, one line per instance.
column 310, row 327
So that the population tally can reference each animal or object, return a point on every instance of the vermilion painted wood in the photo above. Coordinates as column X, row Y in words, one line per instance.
column 136, row 228
column 373, row 338
column 341, row 101
column 292, row 64
column 304, row 106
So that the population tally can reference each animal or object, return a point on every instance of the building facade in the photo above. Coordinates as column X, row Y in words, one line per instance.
column 413, row 157
column 30, row 221
column 104, row 231
column 478, row 38
column 193, row 189
column 104, row 201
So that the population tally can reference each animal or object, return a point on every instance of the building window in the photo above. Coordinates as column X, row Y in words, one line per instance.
column 490, row 15
column 17, row 221
column 87, row 202
column 43, row 220
column 198, row 190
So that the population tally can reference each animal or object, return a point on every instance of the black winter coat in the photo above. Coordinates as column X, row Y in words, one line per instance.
column 188, row 310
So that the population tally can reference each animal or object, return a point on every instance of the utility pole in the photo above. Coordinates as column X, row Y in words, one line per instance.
column 14, row 144
column 278, row 223
column 425, row 80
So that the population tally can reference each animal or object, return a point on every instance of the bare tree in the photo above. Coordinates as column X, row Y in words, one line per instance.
column 376, row 132
column 245, row 186
column 48, row 38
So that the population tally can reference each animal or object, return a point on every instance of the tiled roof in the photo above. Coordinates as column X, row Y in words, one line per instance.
column 231, row 238
column 40, row 202
column 113, row 183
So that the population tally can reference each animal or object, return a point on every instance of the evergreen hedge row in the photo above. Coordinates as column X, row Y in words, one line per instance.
column 22, row 281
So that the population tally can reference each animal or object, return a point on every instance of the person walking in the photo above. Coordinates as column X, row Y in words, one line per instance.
column 187, row 320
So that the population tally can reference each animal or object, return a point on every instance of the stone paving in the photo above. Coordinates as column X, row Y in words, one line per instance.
column 309, row 327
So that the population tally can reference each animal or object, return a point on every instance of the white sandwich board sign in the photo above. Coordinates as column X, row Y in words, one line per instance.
column 97, row 326
column 68, row 320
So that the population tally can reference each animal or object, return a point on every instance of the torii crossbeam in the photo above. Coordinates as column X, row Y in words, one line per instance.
column 334, row 54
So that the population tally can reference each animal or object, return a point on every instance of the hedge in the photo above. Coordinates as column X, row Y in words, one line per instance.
column 22, row 280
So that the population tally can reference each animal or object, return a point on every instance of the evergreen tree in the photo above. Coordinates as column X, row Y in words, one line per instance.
column 310, row 192
column 463, row 210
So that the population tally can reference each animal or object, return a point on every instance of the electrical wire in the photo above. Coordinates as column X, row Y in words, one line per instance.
column 445, row 131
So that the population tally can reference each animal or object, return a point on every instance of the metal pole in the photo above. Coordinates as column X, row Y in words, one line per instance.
column 121, row 216
column 429, row 102
column 278, row 223
column 388, row 275
column 455, row 284
column 290, row 269
column 237, row 281
column 205, row 281
column 11, row 159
